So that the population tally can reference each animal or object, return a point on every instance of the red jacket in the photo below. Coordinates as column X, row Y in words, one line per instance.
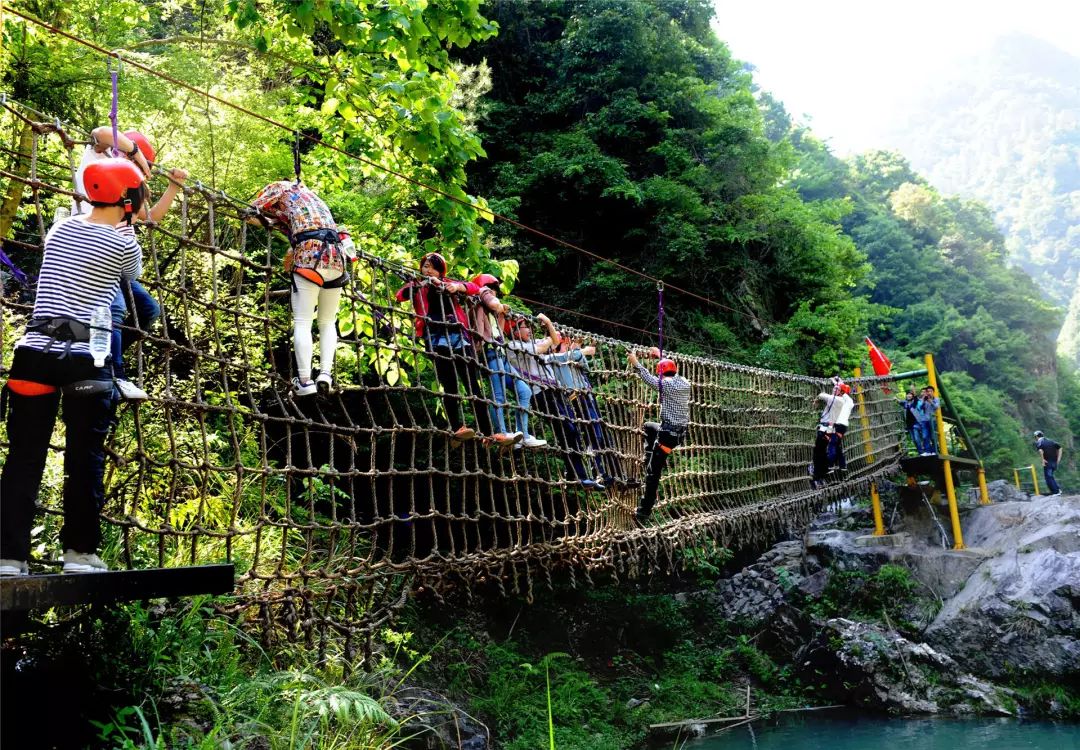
column 419, row 292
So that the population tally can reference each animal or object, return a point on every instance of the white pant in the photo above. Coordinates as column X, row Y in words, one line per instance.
column 305, row 298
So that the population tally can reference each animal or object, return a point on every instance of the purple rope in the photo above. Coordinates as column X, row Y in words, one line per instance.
column 115, row 71
column 18, row 273
column 660, row 317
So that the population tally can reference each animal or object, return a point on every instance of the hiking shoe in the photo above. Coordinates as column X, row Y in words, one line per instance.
column 324, row 383
column 303, row 389
column 129, row 391
column 13, row 567
column 533, row 442
column 506, row 439
column 461, row 435
column 83, row 562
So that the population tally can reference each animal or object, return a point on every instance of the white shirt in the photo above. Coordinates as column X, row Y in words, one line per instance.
column 837, row 408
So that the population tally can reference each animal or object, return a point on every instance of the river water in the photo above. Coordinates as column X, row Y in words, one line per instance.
column 829, row 730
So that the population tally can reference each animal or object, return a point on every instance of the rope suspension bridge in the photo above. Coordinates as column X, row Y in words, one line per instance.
column 334, row 508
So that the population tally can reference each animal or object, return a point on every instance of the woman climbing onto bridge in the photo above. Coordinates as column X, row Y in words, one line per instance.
column 662, row 437
column 84, row 260
column 316, row 265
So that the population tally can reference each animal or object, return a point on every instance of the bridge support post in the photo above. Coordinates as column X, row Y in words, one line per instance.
column 984, row 494
column 1016, row 478
column 864, row 420
column 875, row 503
column 950, row 489
column 1034, row 480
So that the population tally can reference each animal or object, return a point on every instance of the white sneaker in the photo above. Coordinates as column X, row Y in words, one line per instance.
column 83, row 562
column 324, row 383
column 303, row 389
column 13, row 567
column 533, row 442
column 129, row 391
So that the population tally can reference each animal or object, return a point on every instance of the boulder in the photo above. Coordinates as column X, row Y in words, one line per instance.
column 431, row 722
column 865, row 665
column 1018, row 612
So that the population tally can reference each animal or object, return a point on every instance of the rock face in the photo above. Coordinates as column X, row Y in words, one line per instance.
column 866, row 665
column 1019, row 611
column 1007, row 606
column 1001, row 491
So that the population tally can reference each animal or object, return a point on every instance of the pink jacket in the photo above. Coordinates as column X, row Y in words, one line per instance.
column 419, row 293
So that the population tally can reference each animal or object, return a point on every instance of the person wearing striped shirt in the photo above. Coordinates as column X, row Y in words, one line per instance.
column 662, row 437
column 52, row 370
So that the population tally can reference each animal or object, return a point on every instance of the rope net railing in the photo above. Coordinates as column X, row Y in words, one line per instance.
column 333, row 508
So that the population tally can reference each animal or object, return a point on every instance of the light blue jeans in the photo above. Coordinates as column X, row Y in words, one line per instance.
column 502, row 375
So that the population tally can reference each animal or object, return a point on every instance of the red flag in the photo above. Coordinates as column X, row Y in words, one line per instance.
column 882, row 365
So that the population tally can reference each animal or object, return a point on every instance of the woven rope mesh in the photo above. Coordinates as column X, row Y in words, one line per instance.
column 334, row 509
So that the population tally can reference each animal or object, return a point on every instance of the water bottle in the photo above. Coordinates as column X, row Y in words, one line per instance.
column 100, row 334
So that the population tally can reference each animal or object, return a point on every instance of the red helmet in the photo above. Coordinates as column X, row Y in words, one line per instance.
column 140, row 140
column 845, row 388
column 486, row 279
column 108, row 180
column 666, row 367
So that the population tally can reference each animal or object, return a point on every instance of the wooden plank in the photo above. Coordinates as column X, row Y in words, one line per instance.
column 19, row 593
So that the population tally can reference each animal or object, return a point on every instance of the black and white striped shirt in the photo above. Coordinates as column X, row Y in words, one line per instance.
column 675, row 406
column 80, row 270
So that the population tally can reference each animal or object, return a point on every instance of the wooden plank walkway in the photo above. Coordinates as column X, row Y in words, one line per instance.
column 21, row 593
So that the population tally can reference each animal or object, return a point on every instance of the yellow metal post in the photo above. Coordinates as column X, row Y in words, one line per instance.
column 950, row 490
column 1034, row 479
column 875, row 503
column 984, row 494
column 864, row 420
column 1016, row 478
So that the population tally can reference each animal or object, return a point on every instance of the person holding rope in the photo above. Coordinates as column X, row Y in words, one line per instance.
column 488, row 319
column 662, row 437
column 315, row 263
column 84, row 259
column 832, row 425
column 135, row 313
column 443, row 326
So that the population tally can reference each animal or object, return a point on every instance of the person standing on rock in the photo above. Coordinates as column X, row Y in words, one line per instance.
column 1051, row 453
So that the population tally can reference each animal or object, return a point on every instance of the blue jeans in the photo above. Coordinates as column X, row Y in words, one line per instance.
column 926, row 431
column 145, row 312
column 502, row 375
column 1048, row 474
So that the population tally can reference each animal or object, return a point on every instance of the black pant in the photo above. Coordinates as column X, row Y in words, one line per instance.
column 30, row 422
column 455, row 368
column 659, row 442
column 567, row 436
column 829, row 451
